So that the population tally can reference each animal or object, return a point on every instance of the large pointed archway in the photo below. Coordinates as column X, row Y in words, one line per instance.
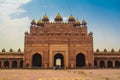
column 59, row 60
column 80, row 60
column 36, row 60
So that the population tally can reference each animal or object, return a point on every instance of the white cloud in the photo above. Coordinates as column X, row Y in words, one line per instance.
column 12, row 30
column 65, row 19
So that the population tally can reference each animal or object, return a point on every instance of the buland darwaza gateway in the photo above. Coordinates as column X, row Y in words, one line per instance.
column 61, row 44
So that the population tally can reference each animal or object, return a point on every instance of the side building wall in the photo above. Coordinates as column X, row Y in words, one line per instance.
column 11, row 59
column 107, row 59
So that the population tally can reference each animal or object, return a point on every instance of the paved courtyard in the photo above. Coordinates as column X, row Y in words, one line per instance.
column 69, row 74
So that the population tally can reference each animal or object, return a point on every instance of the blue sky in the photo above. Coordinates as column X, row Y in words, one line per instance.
column 102, row 16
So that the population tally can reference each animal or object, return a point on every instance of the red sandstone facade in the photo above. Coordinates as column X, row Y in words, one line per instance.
column 59, row 44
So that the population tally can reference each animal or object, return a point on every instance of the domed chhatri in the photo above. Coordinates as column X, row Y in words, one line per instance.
column 105, row 50
column 40, row 22
column 71, row 19
column 112, row 50
column 45, row 18
column 58, row 18
column 84, row 22
column 11, row 50
column 19, row 50
column 33, row 22
column 97, row 50
column 3, row 50
column 77, row 22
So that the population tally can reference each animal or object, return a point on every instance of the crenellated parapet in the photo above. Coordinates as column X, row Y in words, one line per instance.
column 105, row 54
column 106, row 51
column 11, row 55
column 11, row 51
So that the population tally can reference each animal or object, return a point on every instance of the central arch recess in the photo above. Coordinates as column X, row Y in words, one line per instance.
column 59, row 60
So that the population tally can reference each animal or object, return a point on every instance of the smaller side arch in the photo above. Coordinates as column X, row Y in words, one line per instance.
column 21, row 64
column 6, row 64
column 102, row 64
column 14, row 64
column 117, row 64
column 109, row 64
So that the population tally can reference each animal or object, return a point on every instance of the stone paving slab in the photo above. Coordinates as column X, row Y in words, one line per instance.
column 69, row 74
column 61, row 79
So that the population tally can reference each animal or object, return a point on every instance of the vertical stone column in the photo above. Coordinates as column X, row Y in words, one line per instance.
column 10, row 63
column 113, row 61
column 18, row 64
column 98, row 63
column 2, row 64
column 105, row 63
column 67, row 58
column 45, row 65
column 87, row 60
column 51, row 58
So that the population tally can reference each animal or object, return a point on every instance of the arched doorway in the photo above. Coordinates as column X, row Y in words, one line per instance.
column 37, row 60
column 117, row 64
column 6, row 64
column 21, row 64
column 109, row 64
column 80, row 60
column 102, row 64
column 14, row 64
column 59, row 60
column 95, row 63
